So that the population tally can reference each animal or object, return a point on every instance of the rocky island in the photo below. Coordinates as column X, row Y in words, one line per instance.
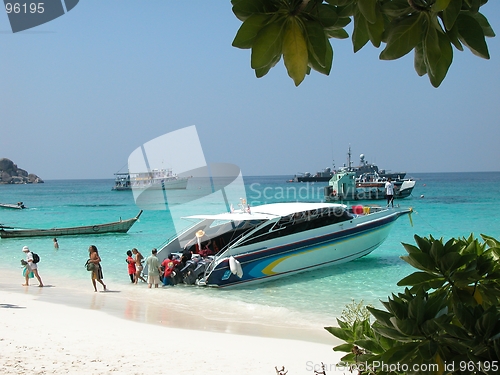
column 11, row 174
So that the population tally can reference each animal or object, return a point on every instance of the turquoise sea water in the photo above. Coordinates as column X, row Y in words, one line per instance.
column 445, row 204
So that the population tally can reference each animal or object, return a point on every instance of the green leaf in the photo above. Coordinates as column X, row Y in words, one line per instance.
column 370, row 345
column 411, row 249
column 340, row 333
column 328, row 59
column 340, row 23
column 405, row 326
column 327, row 15
column 440, row 5
column 360, row 33
column 437, row 249
column 396, row 9
column 368, row 9
column 450, row 14
column 249, row 29
column 419, row 62
column 438, row 68
column 403, row 37
column 383, row 317
column 337, row 34
column 450, row 262
column 471, row 34
column 485, row 25
column 423, row 244
column 316, row 41
column 243, row 9
column 392, row 334
column 267, row 45
column 295, row 53
column 376, row 30
column 416, row 309
column 417, row 278
column 420, row 261
column 453, row 36
column 261, row 72
column 347, row 348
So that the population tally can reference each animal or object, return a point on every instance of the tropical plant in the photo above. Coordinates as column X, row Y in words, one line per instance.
column 446, row 321
column 300, row 31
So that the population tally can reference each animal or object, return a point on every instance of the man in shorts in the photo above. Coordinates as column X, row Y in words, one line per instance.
column 138, row 265
column 31, row 267
column 154, row 270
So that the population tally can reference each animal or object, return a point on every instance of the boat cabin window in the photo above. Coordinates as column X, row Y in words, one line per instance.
column 301, row 221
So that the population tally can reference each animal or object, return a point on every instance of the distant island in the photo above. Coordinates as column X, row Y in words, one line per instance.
column 11, row 174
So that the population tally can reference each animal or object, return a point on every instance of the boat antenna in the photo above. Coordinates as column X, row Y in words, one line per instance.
column 349, row 162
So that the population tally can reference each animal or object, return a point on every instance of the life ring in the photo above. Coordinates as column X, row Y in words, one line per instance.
column 95, row 228
column 334, row 193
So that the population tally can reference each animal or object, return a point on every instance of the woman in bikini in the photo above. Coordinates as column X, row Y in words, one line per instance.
column 96, row 274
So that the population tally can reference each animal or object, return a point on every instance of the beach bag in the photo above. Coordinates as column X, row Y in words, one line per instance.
column 36, row 258
column 89, row 265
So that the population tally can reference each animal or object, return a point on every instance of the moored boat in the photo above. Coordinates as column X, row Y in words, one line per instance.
column 121, row 226
column 18, row 206
column 271, row 241
column 345, row 186
column 363, row 168
column 162, row 179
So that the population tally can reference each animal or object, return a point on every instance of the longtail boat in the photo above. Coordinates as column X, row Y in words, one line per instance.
column 121, row 226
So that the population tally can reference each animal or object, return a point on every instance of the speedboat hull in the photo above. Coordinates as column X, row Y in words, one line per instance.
column 347, row 242
column 279, row 240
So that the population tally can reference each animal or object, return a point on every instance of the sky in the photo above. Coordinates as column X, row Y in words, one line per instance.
column 80, row 93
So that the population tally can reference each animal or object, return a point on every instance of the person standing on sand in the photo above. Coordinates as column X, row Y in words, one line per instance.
column 138, row 265
column 154, row 270
column 31, row 267
column 96, row 274
column 131, row 266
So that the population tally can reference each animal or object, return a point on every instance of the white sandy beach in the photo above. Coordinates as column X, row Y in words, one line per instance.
column 60, row 330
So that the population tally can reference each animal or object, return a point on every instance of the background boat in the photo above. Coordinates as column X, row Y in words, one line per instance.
column 18, row 206
column 364, row 167
column 121, row 226
column 155, row 179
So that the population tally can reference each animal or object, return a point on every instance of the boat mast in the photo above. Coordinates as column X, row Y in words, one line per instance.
column 349, row 162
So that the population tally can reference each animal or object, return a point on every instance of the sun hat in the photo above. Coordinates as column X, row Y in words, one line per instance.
column 26, row 249
column 200, row 233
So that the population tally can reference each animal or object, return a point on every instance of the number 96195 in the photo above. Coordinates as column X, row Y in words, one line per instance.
column 24, row 8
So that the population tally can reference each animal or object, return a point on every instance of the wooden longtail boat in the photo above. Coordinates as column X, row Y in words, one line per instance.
column 121, row 226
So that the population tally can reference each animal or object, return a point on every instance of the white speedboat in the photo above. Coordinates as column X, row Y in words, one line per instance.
column 275, row 240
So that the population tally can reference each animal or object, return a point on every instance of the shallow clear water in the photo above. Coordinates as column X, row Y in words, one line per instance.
column 453, row 204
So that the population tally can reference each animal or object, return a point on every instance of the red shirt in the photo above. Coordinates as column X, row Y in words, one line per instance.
column 169, row 265
column 131, row 265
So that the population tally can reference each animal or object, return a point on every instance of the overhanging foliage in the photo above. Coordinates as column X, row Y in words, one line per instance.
column 299, row 30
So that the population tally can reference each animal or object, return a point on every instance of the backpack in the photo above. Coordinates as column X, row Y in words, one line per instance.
column 36, row 258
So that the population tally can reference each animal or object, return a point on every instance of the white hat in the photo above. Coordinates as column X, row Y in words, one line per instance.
column 26, row 249
column 200, row 233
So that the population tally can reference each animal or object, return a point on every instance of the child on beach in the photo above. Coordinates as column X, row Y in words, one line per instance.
column 131, row 266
